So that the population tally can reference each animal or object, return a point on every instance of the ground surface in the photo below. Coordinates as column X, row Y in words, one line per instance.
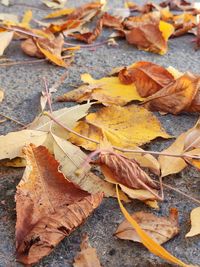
column 22, row 85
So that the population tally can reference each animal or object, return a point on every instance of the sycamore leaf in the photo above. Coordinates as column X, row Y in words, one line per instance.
column 107, row 90
column 147, row 77
column 87, row 257
column 110, row 122
column 175, row 97
column 147, row 241
column 160, row 229
column 5, row 39
column 49, row 207
column 195, row 222
column 71, row 159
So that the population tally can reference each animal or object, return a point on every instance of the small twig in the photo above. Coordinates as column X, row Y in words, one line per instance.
column 180, row 192
column 22, row 62
column 48, row 95
column 87, row 46
column 11, row 119
column 119, row 148
column 58, row 83
column 27, row 32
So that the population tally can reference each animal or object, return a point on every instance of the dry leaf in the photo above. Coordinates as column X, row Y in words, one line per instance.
column 147, row 77
column 195, row 222
column 29, row 47
column 175, row 97
column 160, row 229
column 110, row 122
column 87, row 257
column 9, row 17
column 25, row 23
column 112, row 21
column 147, row 241
column 1, row 95
column 149, row 35
column 5, row 39
column 107, row 90
column 59, row 13
column 54, row 4
column 49, row 207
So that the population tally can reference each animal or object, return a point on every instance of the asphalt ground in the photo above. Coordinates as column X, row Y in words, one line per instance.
column 23, row 85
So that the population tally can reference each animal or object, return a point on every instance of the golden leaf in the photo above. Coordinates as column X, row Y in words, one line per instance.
column 107, row 90
column 124, row 127
column 25, row 23
column 59, row 13
column 49, row 207
column 5, row 39
column 195, row 222
column 160, row 229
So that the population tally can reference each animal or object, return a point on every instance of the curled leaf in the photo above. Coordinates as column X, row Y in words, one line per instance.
column 195, row 222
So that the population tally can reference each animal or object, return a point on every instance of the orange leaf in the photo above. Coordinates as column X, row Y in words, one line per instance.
column 49, row 207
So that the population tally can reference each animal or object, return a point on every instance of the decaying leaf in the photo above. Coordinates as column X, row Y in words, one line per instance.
column 5, row 39
column 1, row 95
column 49, row 207
column 195, row 222
column 60, row 13
column 175, row 97
column 148, row 33
column 147, row 77
column 147, row 241
column 107, row 90
column 87, row 257
column 125, row 133
column 54, row 4
column 160, row 229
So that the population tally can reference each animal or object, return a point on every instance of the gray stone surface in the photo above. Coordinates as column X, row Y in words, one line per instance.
column 23, row 84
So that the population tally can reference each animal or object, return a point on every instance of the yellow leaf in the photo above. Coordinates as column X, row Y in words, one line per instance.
column 5, row 39
column 108, row 90
column 195, row 222
column 166, row 29
column 59, row 13
column 26, row 19
column 124, row 127
column 147, row 241
column 53, row 58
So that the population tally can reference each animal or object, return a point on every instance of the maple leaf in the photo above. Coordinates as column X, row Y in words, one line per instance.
column 87, row 257
column 176, row 97
column 109, row 122
column 195, row 228
column 147, row 77
column 5, row 39
column 160, row 229
column 49, row 207
column 107, row 90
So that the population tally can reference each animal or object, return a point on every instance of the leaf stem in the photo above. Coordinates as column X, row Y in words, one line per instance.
column 11, row 119
column 119, row 148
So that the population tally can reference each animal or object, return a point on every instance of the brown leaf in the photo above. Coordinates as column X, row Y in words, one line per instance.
column 111, row 21
column 91, row 36
column 30, row 48
column 147, row 77
column 49, row 207
column 160, row 229
column 87, row 257
column 125, row 171
column 175, row 97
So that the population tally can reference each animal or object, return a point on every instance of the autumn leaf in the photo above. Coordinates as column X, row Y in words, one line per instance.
column 1, row 95
column 5, row 39
column 175, row 97
column 109, row 122
column 107, row 90
column 149, row 33
column 54, row 4
column 160, row 229
column 147, row 77
column 87, row 257
column 195, row 228
column 147, row 241
column 26, row 19
column 59, row 13
column 49, row 207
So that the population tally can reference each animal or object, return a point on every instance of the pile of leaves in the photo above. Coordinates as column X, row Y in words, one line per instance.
column 147, row 27
column 59, row 189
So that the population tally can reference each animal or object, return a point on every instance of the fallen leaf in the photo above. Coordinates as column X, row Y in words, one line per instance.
column 59, row 13
column 175, row 97
column 5, row 39
column 195, row 222
column 26, row 19
column 147, row 241
column 54, row 4
column 147, row 77
column 87, row 257
column 29, row 47
column 1, row 95
column 109, row 122
column 107, row 90
column 49, row 207
column 160, row 229
column 9, row 17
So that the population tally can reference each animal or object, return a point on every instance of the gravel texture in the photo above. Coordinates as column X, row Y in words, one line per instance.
column 23, row 85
